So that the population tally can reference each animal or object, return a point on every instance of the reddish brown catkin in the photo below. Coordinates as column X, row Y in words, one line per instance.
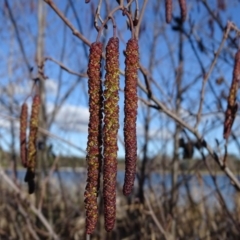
column 130, row 111
column 232, row 106
column 111, row 125
column 168, row 10
column 23, row 134
column 32, row 144
column 183, row 8
column 94, row 143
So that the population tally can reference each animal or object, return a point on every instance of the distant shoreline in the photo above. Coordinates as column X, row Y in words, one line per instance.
column 84, row 170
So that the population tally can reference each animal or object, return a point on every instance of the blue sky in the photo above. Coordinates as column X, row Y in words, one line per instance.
column 71, row 121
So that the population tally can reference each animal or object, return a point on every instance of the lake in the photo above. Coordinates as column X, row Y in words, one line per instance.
column 199, row 188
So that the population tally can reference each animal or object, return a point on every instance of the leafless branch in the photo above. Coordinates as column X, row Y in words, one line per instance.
column 23, row 197
column 67, row 22
column 166, row 235
column 84, row 75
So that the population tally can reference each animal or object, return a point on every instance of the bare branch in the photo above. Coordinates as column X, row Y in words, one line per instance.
column 23, row 197
column 66, row 68
column 67, row 22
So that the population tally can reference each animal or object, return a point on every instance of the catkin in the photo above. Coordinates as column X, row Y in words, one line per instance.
column 23, row 134
column 130, row 111
column 94, row 144
column 110, row 131
column 168, row 10
column 32, row 143
column 183, row 8
column 232, row 106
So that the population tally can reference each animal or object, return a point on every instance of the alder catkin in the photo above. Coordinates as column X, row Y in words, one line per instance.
column 23, row 134
column 232, row 106
column 32, row 144
column 94, row 144
column 183, row 9
column 168, row 10
column 110, row 131
column 130, row 111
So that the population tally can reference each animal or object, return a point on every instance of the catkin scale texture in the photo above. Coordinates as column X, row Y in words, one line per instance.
column 32, row 147
column 130, row 111
column 94, row 144
column 110, row 131
column 32, row 144
column 23, row 134
column 232, row 105
column 168, row 10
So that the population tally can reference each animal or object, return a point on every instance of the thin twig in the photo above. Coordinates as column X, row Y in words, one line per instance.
column 154, row 217
column 16, row 29
column 175, row 117
column 24, row 197
column 66, row 68
column 206, row 77
column 110, row 15
column 44, row 183
column 97, row 15
column 27, row 219
column 46, row 132
column 76, row 16
column 137, row 29
column 67, row 22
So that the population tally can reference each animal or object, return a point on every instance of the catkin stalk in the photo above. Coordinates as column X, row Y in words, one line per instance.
column 130, row 111
column 94, row 144
column 111, row 126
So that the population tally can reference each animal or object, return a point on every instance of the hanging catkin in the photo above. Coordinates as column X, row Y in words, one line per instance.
column 23, row 134
column 232, row 106
column 183, row 9
column 130, row 111
column 32, row 144
column 94, row 144
column 168, row 10
column 111, row 125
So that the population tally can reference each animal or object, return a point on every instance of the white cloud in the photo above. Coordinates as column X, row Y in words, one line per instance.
column 69, row 118
column 5, row 123
column 51, row 86
column 72, row 118
column 19, row 89
column 15, row 89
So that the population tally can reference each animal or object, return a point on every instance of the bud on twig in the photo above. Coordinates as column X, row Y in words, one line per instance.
column 130, row 111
